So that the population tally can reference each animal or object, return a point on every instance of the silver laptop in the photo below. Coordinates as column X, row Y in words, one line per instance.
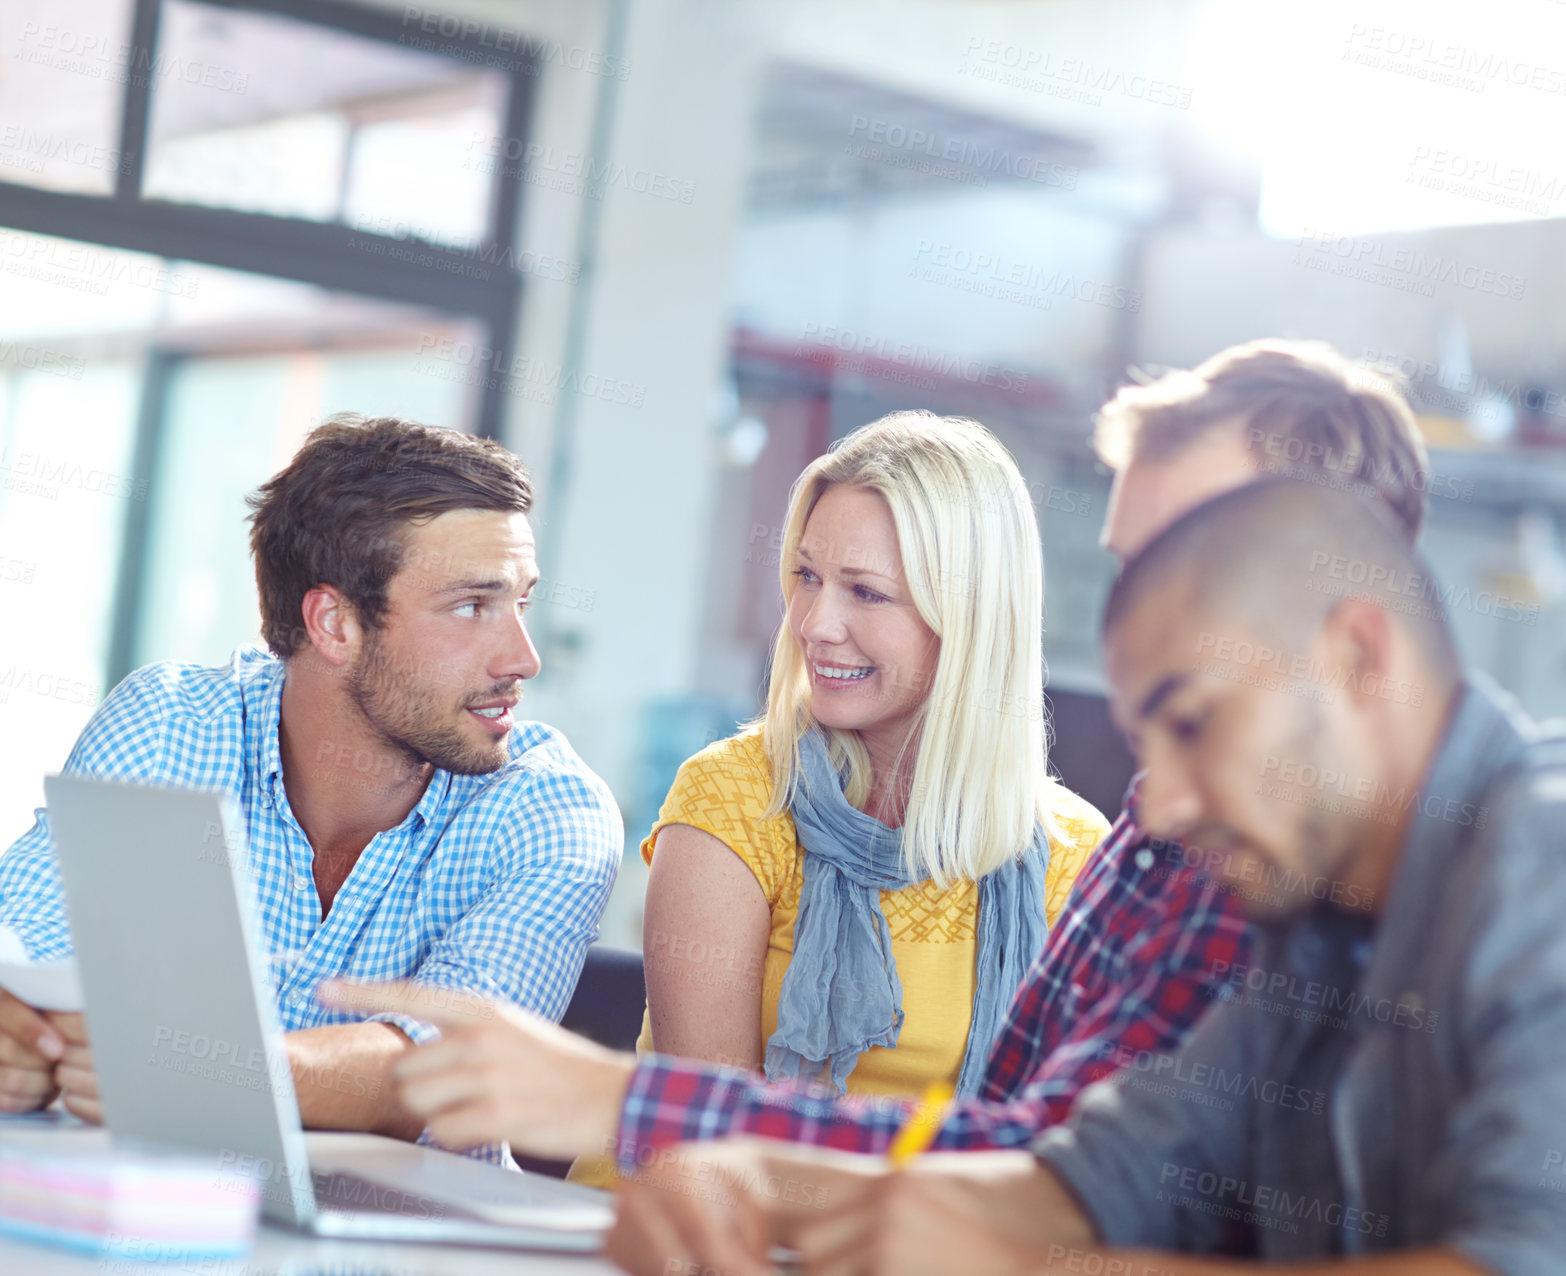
column 189, row 1051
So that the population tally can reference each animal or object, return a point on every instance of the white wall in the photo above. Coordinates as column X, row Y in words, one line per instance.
column 991, row 274
column 1390, row 292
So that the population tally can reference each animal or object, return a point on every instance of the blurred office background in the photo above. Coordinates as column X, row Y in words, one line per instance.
column 667, row 250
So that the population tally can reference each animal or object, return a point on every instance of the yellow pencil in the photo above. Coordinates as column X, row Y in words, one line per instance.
column 922, row 1127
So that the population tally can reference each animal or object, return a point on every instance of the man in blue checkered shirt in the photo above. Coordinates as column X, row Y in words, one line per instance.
column 400, row 822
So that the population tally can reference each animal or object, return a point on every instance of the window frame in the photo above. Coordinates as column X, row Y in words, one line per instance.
column 292, row 248
column 284, row 247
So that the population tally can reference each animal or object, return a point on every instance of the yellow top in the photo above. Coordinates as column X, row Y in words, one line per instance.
column 724, row 789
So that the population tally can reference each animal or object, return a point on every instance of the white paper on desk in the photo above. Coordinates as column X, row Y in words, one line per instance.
column 48, row 985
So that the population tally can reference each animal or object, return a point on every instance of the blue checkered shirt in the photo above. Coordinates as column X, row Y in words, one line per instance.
column 493, row 883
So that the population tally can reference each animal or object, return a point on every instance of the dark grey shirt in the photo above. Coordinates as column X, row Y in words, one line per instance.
column 1374, row 1084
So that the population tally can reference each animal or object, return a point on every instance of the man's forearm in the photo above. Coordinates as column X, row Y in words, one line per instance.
column 343, row 1078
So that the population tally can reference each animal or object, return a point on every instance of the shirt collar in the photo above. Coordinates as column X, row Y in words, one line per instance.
column 429, row 806
column 1485, row 730
column 265, row 721
column 1485, row 734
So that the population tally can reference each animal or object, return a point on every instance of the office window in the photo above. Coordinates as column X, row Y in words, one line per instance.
column 61, row 87
column 241, row 366
column 271, row 115
column 231, row 421
column 72, row 336
column 66, row 430
column 144, row 393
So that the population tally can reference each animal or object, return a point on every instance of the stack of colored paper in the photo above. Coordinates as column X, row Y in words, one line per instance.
column 139, row 1205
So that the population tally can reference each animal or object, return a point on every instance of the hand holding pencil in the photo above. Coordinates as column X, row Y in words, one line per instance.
column 922, row 1126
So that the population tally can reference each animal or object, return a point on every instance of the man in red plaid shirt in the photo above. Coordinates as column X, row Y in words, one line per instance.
column 1144, row 942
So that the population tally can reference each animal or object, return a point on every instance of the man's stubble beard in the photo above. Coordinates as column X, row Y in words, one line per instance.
column 403, row 714
column 1308, row 744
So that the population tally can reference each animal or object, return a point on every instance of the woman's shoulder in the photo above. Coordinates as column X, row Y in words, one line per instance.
column 737, row 763
column 1081, row 823
column 1078, row 828
column 725, row 790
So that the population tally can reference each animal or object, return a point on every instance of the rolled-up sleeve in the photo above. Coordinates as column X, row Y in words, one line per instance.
column 1130, row 1154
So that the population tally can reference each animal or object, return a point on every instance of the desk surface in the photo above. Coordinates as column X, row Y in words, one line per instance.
column 278, row 1251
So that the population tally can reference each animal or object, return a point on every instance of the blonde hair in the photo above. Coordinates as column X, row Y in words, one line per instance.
column 970, row 548
column 1302, row 403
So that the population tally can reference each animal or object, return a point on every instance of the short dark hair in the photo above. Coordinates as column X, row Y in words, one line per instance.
column 1308, row 411
column 1280, row 554
column 338, row 513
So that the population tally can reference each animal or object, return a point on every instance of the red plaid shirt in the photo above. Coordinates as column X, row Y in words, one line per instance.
column 1134, row 959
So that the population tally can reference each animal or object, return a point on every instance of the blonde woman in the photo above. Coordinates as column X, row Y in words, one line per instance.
column 850, row 890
